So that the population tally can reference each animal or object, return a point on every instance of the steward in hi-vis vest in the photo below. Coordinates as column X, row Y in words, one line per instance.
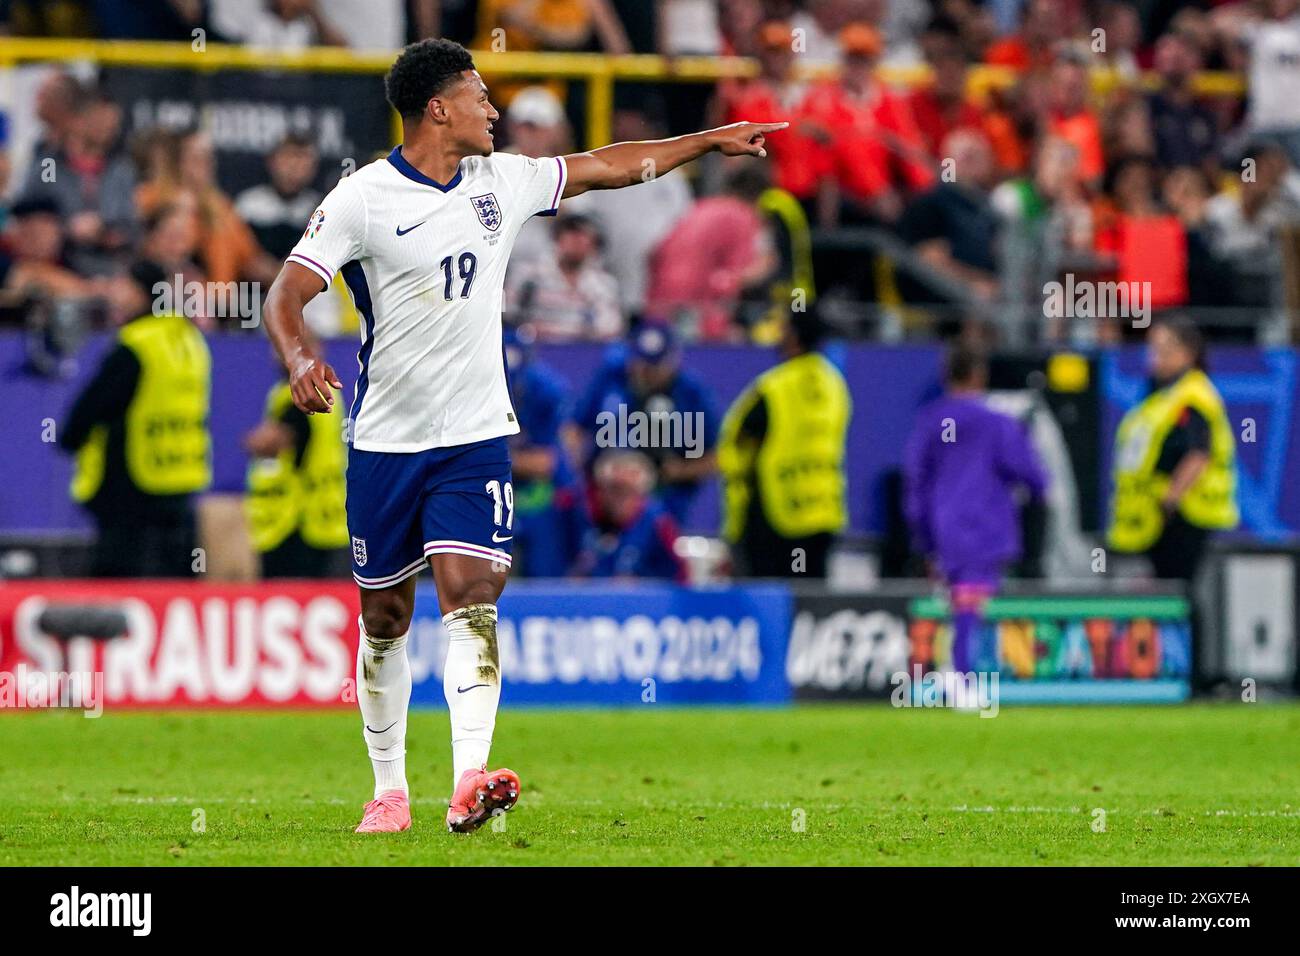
column 1175, row 468
column 140, row 434
column 781, row 454
column 296, row 494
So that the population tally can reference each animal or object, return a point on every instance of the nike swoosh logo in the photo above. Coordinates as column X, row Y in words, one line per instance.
column 499, row 540
column 461, row 690
column 402, row 232
column 384, row 731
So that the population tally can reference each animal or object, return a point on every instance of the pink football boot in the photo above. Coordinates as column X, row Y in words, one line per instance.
column 390, row 812
column 479, row 796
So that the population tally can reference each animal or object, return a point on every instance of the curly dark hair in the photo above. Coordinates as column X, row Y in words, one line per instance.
column 423, row 70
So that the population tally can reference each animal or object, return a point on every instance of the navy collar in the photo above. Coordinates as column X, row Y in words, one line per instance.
column 410, row 172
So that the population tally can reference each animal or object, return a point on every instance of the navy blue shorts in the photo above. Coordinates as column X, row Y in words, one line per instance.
column 405, row 506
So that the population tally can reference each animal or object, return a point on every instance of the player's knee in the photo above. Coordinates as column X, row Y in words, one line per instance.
column 484, row 590
column 386, row 619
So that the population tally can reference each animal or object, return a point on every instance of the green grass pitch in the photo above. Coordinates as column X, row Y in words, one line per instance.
column 1208, row 784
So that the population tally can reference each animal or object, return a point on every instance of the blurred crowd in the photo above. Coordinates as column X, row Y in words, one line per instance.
column 1032, row 148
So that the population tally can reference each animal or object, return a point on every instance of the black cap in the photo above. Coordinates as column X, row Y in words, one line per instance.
column 34, row 206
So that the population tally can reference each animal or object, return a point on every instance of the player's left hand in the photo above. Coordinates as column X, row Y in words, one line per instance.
column 744, row 139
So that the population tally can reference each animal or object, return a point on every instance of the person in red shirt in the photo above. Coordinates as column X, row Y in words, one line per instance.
column 719, row 251
column 1146, row 241
column 878, row 152
column 798, row 160
column 942, row 106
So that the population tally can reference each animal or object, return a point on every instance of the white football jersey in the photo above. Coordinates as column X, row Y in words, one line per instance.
column 425, row 263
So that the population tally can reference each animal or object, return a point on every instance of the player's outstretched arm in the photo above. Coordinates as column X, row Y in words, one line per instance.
column 626, row 164
column 311, row 379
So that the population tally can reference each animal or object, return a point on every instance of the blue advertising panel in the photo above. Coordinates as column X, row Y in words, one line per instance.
column 622, row 644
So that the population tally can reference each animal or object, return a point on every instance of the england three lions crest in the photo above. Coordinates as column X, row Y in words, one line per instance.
column 488, row 210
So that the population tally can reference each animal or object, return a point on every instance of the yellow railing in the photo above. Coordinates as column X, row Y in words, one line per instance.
column 598, row 71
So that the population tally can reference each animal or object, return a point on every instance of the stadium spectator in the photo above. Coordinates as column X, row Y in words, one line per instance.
column 1046, row 224
column 632, row 222
column 819, row 23
column 1121, row 28
column 876, row 149
column 91, row 180
column 168, row 20
column 1071, row 119
column 1185, row 130
column 1146, row 242
column 567, row 296
column 287, row 25
column 277, row 210
column 360, row 24
column 1034, row 46
column 644, row 379
column 943, row 106
column 954, row 227
column 690, row 27
column 1186, row 191
column 1273, row 46
column 295, row 489
column 741, row 22
column 228, row 249
column 961, row 466
column 1175, row 470
column 1244, row 227
column 58, row 106
column 553, row 25
column 798, row 155
column 547, row 489
column 718, row 253
column 171, row 240
column 781, row 454
column 536, row 126
column 630, row 534
column 139, row 430
column 35, row 266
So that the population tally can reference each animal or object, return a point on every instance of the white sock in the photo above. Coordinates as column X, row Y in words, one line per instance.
column 471, row 682
column 384, row 693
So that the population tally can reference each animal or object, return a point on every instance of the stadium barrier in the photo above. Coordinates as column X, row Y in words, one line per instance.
column 293, row 644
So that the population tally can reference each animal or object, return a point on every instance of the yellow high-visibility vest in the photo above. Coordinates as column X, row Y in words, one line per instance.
column 779, row 204
column 308, row 497
column 1137, row 518
column 167, row 445
column 799, row 466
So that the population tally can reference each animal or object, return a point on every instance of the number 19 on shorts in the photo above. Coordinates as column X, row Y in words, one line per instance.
column 503, row 503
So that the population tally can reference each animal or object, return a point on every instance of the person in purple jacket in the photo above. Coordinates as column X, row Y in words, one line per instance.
column 962, row 461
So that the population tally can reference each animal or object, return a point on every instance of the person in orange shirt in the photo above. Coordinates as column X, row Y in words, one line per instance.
column 799, row 159
column 228, row 250
column 877, row 150
column 1069, row 117
column 1046, row 22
